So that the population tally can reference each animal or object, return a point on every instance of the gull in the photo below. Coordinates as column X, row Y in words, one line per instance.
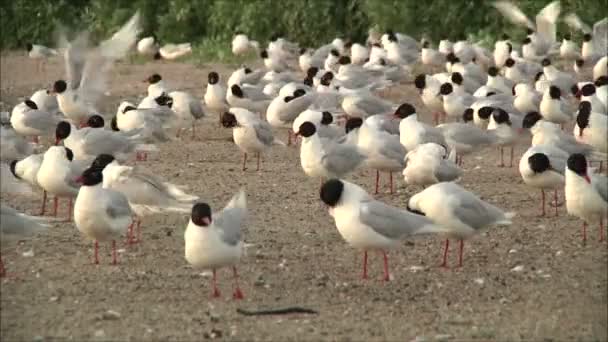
column 506, row 128
column 465, row 138
column 502, row 50
column 543, row 31
column 57, row 175
column 368, row 224
column 600, row 69
column 16, row 226
column 498, row 82
column 323, row 122
column 588, row 94
column 366, row 105
column 147, row 194
column 150, row 101
column 41, row 53
column 592, row 129
column 27, row 170
column 520, row 71
column 214, row 241
column 527, row 99
column 274, row 62
column 12, row 145
column 601, row 88
column 188, row 109
column 241, row 44
column 586, row 193
column 326, row 159
column 245, row 75
column 413, row 132
column 563, row 80
column 309, row 59
column 45, row 101
column 554, row 108
column 100, row 214
column 28, row 121
column 382, row 150
column 282, row 111
column 156, row 86
column 359, row 53
column 147, row 46
column 547, row 133
column 429, row 164
column 568, row 49
column 595, row 41
column 248, row 98
column 460, row 213
column 429, row 56
column 251, row 134
column 215, row 95
column 428, row 86
column 87, row 70
column 10, row 184
column 331, row 61
column 173, row 51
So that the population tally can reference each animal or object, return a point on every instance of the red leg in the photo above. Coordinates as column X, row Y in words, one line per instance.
column 460, row 255
column 390, row 174
column 55, row 205
column 502, row 158
column 244, row 161
column 258, row 156
column 435, row 118
column 216, row 292
column 193, row 131
column 584, row 232
column 96, row 253
column 386, row 273
column 377, row 181
column 138, row 230
column 601, row 164
column 364, row 265
column 130, row 233
column 43, row 210
column 238, row 294
column 145, row 156
column 555, row 199
column 36, row 139
column 601, row 230
column 70, row 209
column 445, row 253
column 511, row 160
column 542, row 191
column 289, row 137
column 114, row 262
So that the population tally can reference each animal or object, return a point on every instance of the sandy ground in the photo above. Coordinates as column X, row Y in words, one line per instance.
column 297, row 257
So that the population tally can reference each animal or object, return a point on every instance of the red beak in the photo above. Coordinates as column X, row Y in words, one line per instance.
column 580, row 132
column 588, row 179
column 206, row 220
column 79, row 180
column 57, row 141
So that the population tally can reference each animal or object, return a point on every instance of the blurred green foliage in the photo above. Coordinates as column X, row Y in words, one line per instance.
column 210, row 23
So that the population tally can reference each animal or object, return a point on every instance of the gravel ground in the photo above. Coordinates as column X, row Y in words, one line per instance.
column 533, row 280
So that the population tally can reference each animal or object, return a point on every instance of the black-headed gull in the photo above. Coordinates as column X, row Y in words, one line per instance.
column 282, row 111
column 554, row 108
column 326, row 159
column 57, row 175
column 466, row 138
column 542, row 166
column 87, row 70
column 40, row 53
column 188, row 109
column 251, row 134
column 586, row 193
column 250, row 98
column 241, row 44
column 215, row 95
column 147, row 193
column 413, row 132
column 101, row 214
column 368, row 224
column 214, row 241
column 460, row 213
column 27, row 171
column 29, row 121
column 506, row 128
column 12, row 145
column 592, row 129
column 147, row 46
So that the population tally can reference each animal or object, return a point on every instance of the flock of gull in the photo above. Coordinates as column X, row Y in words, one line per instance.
column 335, row 109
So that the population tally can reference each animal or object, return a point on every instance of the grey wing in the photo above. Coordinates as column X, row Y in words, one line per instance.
column 15, row 223
column 341, row 159
column 230, row 221
column 433, row 135
column 40, row 120
column 600, row 35
column 100, row 141
column 476, row 213
column 372, row 106
column 118, row 205
column 558, row 161
column 392, row 148
column 75, row 58
column 447, row 171
column 263, row 133
column 299, row 105
column 569, row 144
column 196, row 109
column 390, row 221
column 600, row 184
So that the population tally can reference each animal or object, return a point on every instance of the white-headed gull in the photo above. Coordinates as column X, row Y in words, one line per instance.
column 214, row 241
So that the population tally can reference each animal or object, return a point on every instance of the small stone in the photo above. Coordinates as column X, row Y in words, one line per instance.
column 28, row 254
column 558, row 253
column 512, row 251
column 99, row 333
column 38, row 338
column 417, row 268
column 443, row 337
column 518, row 268
column 110, row 315
column 479, row 281
column 54, row 299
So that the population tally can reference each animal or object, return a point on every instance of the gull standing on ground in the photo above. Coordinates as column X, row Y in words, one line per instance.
column 251, row 134
column 27, row 170
column 57, row 175
column 100, row 214
column 459, row 212
column 28, row 121
column 214, row 241
column 413, row 132
column 430, row 164
column 215, row 95
column 369, row 224
column 586, row 193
